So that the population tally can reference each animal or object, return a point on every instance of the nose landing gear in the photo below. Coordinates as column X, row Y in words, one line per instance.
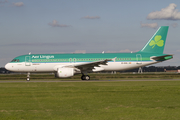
column 85, row 77
column 28, row 76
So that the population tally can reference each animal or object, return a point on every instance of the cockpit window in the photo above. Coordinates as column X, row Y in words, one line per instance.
column 15, row 60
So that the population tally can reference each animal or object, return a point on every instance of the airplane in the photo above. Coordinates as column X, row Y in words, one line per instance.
column 67, row 65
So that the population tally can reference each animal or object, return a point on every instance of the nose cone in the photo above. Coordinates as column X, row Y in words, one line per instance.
column 7, row 66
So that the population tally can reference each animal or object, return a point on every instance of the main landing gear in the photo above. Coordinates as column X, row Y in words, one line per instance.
column 85, row 77
column 28, row 76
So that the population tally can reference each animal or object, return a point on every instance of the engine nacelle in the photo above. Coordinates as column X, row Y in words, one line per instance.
column 97, row 69
column 65, row 72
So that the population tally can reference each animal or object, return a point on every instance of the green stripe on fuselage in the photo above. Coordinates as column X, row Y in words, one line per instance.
column 88, row 57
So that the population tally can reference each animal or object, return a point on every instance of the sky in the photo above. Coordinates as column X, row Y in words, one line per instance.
column 86, row 26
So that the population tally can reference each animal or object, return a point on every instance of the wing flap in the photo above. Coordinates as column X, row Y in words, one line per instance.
column 90, row 65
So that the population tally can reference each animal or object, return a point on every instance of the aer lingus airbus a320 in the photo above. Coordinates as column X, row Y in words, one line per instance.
column 67, row 65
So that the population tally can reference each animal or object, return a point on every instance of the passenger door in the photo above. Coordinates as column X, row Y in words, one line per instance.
column 27, row 61
column 139, row 59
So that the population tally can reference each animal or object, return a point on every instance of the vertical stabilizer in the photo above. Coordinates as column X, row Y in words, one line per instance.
column 157, row 42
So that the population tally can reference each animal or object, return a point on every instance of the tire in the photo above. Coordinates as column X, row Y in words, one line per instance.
column 82, row 77
column 28, row 79
column 87, row 77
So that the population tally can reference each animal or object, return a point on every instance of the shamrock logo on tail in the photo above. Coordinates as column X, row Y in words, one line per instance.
column 157, row 41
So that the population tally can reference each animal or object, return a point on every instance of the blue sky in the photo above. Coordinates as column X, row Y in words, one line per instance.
column 91, row 26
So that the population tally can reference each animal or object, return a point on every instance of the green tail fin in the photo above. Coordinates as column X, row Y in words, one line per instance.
column 157, row 42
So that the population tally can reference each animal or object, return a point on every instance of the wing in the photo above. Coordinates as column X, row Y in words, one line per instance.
column 86, row 67
column 90, row 65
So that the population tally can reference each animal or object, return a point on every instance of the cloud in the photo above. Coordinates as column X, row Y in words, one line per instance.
column 56, row 24
column 121, row 51
column 168, row 13
column 174, row 25
column 18, row 4
column 5, row 1
column 76, row 51
column 91, row 17
column 80, row 51
column 44, row 44
column 177, row 50
column 150, row 25
column 126, row 50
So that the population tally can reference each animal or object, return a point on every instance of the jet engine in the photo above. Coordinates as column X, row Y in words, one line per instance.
column 64, row 72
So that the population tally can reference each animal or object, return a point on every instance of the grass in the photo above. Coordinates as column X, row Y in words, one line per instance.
column 94, row 76
column 124, row 100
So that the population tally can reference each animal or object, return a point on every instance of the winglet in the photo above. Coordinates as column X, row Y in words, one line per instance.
column 114, row 59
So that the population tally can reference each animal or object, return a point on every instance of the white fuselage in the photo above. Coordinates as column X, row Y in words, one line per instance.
column 52, row 67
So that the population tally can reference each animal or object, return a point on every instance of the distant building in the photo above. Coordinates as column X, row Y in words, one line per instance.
column 173, row 71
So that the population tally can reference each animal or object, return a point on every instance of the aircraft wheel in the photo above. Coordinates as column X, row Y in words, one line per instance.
column 87, row 77
column 83, row 77
column 28, row 79
column 28, row 76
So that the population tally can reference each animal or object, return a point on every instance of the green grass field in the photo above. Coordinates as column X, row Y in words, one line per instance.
column 94, row 76
column 123, row 100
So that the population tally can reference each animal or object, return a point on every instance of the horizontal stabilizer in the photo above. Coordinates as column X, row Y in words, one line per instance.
column 164, row 57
